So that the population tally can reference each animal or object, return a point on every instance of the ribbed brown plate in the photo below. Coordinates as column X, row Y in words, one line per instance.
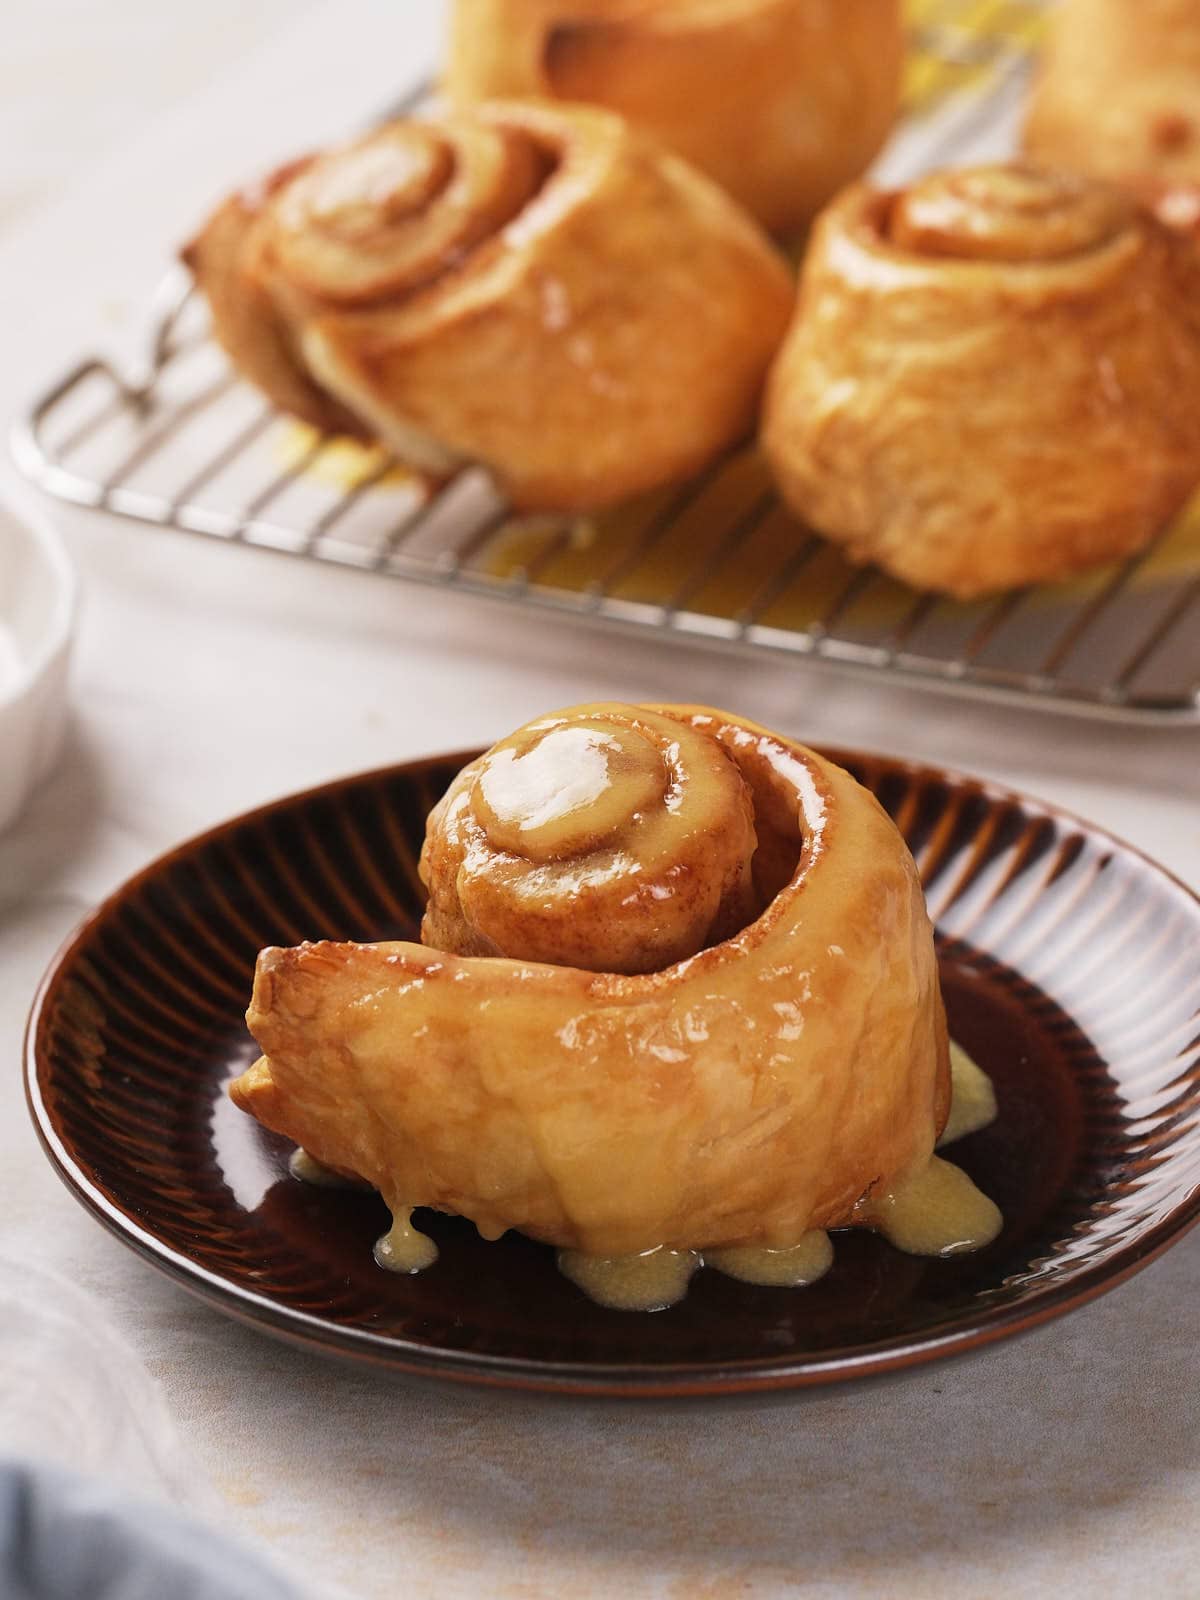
column 1070, row 969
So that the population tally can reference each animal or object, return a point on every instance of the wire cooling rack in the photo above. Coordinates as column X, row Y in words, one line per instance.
column 179, row 442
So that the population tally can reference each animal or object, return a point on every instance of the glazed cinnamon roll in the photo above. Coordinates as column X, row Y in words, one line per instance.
column 532, row 288
column 993, row 378
column 676, row 990
column 781, row 101
column 1117, row 93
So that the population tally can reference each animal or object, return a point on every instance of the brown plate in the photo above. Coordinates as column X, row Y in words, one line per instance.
column 1069, row 967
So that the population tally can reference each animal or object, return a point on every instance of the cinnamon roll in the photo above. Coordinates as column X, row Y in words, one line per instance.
column 676, row 991
column 1117, row 93
column 992, row 378
column 533, row 288
column 781, row 101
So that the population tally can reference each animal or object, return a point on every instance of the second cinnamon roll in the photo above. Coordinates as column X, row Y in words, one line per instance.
column 533, row 288
column 993, row 378
column 1117, row 92
column 781, row 101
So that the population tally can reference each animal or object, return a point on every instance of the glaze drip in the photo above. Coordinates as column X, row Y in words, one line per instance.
column 972, row 1098
column 309, row 1170
column 790, row 1268
column 404, row 1248
column 651, row 1281
column 937, row 1211
column 659, row 1278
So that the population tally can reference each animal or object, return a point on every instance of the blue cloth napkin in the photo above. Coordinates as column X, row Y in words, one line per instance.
column 64, row 1537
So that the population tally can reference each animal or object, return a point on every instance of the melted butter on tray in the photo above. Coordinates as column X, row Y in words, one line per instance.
column 937, row 1211
column 604, row 551
column 341, row 462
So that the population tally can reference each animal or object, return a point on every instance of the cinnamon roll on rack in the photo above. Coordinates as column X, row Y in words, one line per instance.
column 781, row 101
column 1117, row 92
column 992, row 379
column 676, row 992
column 532, row 288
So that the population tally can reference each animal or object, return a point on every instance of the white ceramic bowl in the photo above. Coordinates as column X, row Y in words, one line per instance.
column 37, row 621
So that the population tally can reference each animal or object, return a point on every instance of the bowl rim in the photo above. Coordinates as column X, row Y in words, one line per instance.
column 30, row 521
column 621, row 1380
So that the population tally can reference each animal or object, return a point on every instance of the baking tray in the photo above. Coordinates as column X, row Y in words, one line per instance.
column 176, row 440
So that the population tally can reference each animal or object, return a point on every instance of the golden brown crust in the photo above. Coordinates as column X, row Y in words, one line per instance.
column 992, row 379
column 614, row 841
column 1117, row 93
column 748, row 1094
column 781, row 101
column 534, row 288
column 247, row 323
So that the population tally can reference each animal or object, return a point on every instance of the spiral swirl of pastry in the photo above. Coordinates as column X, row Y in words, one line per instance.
column 533, row 288
column 1004, row 213
column 993, row 379
column 1117, row 94
column 385, row 217
column 756, row 1089
column 617, row 841
column 781, row 101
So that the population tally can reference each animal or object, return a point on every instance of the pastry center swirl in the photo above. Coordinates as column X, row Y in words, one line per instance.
column 386, row 216
column 1010, row 213
column 571, row 789
column 371, row 185
column 615, row 842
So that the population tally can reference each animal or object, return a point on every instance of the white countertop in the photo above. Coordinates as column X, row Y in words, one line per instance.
column 207, row 680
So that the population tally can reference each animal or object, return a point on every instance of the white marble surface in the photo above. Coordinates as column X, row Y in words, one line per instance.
column 206, row 680
column 76, row 77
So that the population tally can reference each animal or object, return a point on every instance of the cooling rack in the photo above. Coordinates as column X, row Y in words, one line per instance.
column 177, row 441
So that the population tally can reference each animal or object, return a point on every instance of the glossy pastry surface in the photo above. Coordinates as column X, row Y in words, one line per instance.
column 781, row 101
column 992, row 379
column 1117, row 93
column 1177, row 204
column 785, row 1064
column 534, row 288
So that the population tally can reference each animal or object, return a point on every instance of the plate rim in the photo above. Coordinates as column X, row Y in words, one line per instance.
column 969, row 1332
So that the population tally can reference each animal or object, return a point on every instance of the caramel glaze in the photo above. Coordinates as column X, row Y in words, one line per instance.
column 676, row 992
column 938, row 1212
column 309, row 1170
